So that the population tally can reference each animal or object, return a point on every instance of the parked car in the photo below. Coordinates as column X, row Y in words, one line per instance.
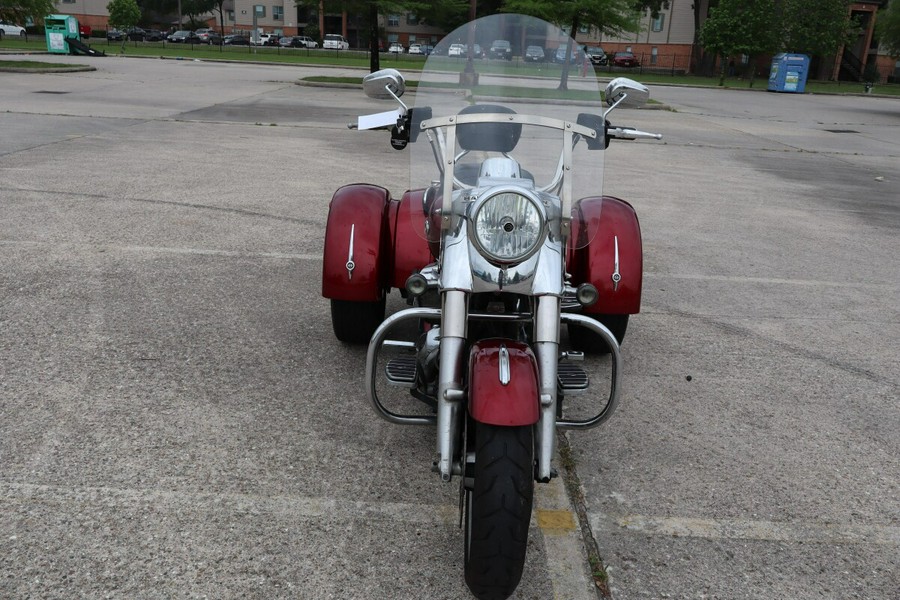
column 427, row 49
column 84, row 31
column 154, row 35
column 334, row 41
column 293, row 41
column 268, row 39
column 415, row 49
column 500, row 49
column 456, row 50
column 307, row 41
column 534, row 54
column 396, row 48
column 7, row 28
column 560, row 55
column 209, row 36
column 625, row 59
column 114, row 35
column 235, row 39
column 597, row 55
column 184, row 36
column 136, row 34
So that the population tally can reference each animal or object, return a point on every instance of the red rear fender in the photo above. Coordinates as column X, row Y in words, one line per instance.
column 356, row 258
column 504, row 386
column 609, row 223
column 410, row 250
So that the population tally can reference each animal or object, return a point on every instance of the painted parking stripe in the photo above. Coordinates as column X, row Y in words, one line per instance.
column 752, row 529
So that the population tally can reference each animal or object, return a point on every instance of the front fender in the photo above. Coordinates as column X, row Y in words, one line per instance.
column 498, row 399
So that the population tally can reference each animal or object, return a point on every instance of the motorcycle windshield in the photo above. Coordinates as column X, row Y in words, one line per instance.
column 492, row 66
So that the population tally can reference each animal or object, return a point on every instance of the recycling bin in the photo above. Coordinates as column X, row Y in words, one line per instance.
column 789, row 73
column 57, row 28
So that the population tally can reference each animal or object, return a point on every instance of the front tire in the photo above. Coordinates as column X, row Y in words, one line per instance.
column 498, row 510
column 355, row 322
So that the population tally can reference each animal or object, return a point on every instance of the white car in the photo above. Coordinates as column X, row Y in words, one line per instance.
column 415, row 49
column 266, row 39
column 335, row 42
column 456, row 50
column 10, row 29
column 397, row 48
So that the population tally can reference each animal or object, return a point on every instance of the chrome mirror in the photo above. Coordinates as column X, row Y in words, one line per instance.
column 622, row 91
column 384, row 84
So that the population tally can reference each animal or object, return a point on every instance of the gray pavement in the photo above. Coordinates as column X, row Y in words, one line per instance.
column 176, row 419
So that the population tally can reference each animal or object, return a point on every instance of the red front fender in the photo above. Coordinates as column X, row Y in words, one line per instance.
column 515, row 402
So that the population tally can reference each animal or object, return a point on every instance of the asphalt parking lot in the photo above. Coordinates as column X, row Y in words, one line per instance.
column 177, row 420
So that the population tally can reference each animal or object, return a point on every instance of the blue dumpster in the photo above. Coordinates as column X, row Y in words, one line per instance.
column 789, row 73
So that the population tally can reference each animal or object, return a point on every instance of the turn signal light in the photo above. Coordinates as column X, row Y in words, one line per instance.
column 587, row 294
column 416, row 285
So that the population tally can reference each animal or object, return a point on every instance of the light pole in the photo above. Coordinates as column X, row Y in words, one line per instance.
column 468, row 77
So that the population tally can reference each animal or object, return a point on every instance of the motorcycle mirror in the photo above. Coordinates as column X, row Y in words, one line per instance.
column 384, row 84
column 626, row 92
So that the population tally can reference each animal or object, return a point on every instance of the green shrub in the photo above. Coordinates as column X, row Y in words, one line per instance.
column 100, row 33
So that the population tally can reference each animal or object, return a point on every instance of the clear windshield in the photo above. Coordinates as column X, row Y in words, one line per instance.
column 453, row 80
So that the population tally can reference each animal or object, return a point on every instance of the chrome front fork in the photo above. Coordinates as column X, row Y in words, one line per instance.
column 450, row 379
column 451, row 394
column 546, row 349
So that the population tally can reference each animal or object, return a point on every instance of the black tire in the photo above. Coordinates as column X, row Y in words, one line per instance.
column 498, row 510
column 589, row 342
column 355, row 322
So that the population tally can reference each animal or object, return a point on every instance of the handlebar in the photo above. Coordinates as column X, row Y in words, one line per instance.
column 630, row 133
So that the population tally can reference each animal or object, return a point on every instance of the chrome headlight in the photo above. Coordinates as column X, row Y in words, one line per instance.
column 508, row 226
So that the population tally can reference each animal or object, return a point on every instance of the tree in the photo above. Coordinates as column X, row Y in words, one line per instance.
column 16, row 11
column 815, row 28
column 370, row 9
column 741, row 27
column 611, row 17
column 195, row 8
column 123, row 14
column 888, row 27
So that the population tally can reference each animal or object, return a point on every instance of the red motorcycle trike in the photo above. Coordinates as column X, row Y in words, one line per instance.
column 507, row 238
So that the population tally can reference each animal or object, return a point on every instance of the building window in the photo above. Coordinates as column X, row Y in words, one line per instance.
column 412, row 39
column 412, row 19
column 654, row 55
column 393, row 37
column 278, row 13
column 583, row 28
column 657, row 23
column 260, row 10
column 393, row 20
column 68, row 1
column 230, row 15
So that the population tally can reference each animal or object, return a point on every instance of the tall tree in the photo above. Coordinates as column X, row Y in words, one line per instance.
column 741, row 27
column 196, row 8
column 16, row 11
column 370, row 9
column 888, row 27
column 611, row 17
column 123, row 15
column 815, row 28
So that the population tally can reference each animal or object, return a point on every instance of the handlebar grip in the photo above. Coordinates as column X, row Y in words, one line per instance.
column 629, row 133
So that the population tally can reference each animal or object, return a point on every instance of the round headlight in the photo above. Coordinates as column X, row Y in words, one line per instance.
column 508, row 227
